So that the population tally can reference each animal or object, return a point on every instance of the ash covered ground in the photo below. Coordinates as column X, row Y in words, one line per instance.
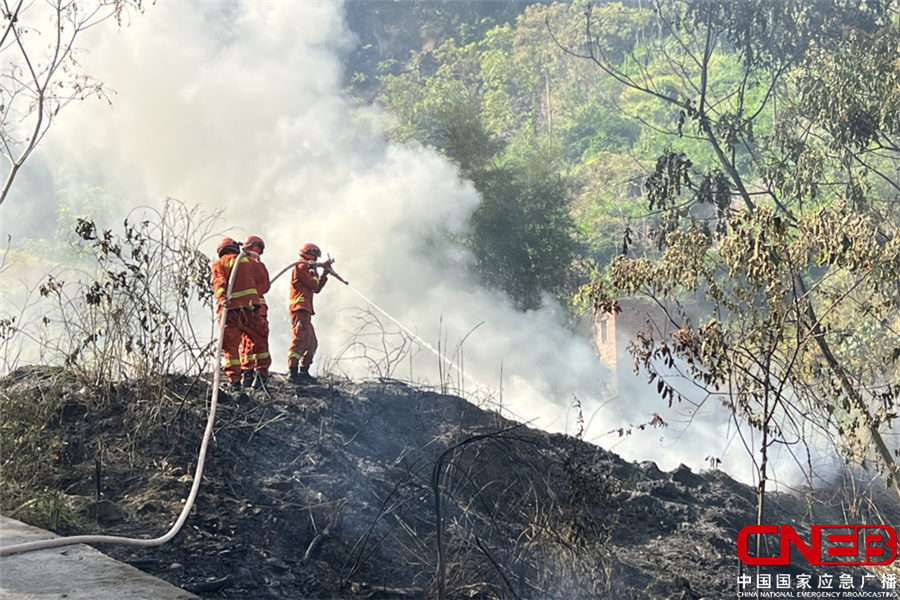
column 381, row 490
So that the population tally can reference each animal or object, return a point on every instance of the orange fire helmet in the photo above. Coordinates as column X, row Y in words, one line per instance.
column 227, row 244
column 254, row 240
column 310, row 252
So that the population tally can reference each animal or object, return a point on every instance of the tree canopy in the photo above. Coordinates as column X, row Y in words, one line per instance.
column 740, row 154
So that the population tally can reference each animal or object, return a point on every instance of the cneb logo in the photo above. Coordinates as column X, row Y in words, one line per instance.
column 854, row 544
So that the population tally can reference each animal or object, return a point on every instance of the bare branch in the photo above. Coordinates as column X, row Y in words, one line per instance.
column 37, row 79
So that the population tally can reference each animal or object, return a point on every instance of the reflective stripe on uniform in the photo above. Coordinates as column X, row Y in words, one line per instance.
column 297, row 300
column 230, row 261
column 243, row 293
column 232, row 361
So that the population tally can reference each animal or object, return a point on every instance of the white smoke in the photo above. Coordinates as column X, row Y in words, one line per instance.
column 238, row 107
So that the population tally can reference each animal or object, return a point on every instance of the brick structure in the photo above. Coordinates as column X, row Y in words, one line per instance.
column 614, row 333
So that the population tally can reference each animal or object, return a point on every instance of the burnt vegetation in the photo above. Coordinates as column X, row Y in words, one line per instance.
column 374, row 489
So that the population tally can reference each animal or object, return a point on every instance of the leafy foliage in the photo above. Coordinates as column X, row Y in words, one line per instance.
column 792, row 258
column 521, row 235
column 503, row 108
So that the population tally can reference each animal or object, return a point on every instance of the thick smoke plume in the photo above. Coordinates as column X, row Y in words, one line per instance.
column 238, row 107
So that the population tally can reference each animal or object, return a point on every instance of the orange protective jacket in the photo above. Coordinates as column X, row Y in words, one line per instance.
column 305, row 282
column 248, row 287
column 262, row 280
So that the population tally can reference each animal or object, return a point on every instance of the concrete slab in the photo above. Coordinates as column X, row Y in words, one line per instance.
column 72, row 572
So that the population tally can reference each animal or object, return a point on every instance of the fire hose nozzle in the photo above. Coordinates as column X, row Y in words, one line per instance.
column 328, row 269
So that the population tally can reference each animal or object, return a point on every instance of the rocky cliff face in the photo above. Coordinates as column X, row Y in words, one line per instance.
column 379, row 489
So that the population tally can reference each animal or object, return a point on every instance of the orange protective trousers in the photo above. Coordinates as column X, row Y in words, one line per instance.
column 240, row 323
column 254, row 357
column 304, row 342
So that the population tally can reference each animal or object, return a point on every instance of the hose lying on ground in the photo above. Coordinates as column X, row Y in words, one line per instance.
column 198, row 475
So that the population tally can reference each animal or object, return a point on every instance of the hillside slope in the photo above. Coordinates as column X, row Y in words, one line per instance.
column 328, row 491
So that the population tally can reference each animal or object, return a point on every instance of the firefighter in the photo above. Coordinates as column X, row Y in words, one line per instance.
column 253, row 359
column 305, row 282
column 240, row 310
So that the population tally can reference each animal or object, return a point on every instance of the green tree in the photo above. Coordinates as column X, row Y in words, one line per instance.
column 521, row 234
column 777, row 231
column 517, row 116
column 389, row 31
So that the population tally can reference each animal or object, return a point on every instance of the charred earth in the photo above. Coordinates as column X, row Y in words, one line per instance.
column 371, row 489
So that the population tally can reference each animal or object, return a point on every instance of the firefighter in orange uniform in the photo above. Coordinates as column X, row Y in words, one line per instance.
column 240, row 310
column 255, row 359
column 305, row 282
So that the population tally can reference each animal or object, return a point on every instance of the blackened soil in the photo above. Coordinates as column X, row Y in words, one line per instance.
column 382, row 490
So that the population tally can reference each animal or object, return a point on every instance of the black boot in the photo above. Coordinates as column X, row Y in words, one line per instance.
column 304, row 374
column 247, row 378
column 293, row 375
column 260, row 381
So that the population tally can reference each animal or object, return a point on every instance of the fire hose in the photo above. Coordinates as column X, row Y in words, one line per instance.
column 325, row 265
column 201, row 459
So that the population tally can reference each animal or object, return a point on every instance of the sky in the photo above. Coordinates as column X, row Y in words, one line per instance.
column 238, row 107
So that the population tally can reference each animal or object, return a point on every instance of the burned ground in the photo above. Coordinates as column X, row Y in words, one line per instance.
column 329, row 491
